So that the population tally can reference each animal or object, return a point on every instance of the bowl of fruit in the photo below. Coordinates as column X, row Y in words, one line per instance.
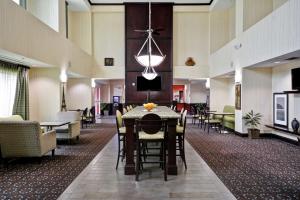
column 149, row 106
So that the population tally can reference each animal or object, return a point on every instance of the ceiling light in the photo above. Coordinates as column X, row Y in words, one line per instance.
column 277, row 62
column 149, row 60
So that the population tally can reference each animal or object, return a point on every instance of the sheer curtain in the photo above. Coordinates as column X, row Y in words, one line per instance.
column 8, row 83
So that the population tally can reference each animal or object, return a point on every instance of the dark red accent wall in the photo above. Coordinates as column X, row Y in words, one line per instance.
column 136, row 17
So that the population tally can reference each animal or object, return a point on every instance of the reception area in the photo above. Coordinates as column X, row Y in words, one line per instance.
column 172, row 99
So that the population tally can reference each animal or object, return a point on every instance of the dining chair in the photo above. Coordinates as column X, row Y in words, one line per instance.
column 210, row 122
column 131, row 107
column 128, row 108
column 124, row 110
column 121, row 131
column 180, row 135
column 150, row 128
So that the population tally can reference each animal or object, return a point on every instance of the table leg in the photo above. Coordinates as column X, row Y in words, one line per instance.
column 172, row 166
column 129, row 166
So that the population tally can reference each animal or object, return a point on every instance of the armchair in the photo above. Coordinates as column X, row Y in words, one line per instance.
column 71, row 130
column 25, row 139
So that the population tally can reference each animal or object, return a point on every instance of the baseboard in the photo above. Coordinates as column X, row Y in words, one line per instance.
column 241, row 134
column 270, row 135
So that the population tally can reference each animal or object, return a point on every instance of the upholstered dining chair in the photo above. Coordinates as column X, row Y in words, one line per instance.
column 121, row 131
column 151, row 128
column 210, row 122
column 124, row 110
column 180, row 133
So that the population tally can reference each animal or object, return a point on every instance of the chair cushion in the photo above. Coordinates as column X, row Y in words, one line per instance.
column 122, row 130
column 179, row 129
column 157, row 136
column 229, row 118
column 212, row 121
column 12, row 118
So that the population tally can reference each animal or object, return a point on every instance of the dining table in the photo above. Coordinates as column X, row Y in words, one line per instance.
column 138, row 112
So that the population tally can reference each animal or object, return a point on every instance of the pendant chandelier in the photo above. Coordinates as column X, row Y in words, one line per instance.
column 148, row 60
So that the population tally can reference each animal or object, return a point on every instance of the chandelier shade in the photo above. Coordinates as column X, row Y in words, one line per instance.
column 148, row 60
column 149, row 73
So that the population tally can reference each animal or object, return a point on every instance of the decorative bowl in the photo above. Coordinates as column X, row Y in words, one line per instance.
column 149, row 106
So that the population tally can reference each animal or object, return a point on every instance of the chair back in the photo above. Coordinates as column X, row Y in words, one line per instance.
column 131, row 107
column 150, row 123
column 174, row 108
column 92, row 111
column 128, row 108
column 85, row 112
column 182, row 110
column 119, row 119
column 124, row 111
column 183, row 120
column 70, row 116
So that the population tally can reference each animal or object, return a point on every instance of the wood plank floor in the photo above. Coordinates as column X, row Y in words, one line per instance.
column 100, row 180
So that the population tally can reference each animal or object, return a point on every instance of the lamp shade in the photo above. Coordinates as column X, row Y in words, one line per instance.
column 149, row 76
column 155, row 60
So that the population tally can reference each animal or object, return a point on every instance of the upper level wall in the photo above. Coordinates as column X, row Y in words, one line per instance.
column 39, row 42
column 255, row 10
column 190, row 39
column 108, row 40
column 80, row 30
column 275, row 35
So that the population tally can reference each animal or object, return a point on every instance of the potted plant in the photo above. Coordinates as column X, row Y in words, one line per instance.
column 253, row 120
column 105, row 108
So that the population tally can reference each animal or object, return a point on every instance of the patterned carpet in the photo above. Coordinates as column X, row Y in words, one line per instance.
column 251, row 169
column 32, row 179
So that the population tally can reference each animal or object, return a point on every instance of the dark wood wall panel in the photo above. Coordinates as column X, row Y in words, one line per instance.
column 136, row 17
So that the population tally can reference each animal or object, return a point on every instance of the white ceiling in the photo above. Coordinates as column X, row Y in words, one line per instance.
column 175, row 1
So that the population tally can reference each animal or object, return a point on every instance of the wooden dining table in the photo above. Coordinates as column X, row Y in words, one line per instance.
column 129, row 119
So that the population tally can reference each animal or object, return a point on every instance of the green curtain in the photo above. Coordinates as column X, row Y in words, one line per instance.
column 21, row 104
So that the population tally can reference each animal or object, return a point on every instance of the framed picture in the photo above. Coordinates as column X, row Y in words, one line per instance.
column 108, row 62
column 238, row 96
column 280, row 109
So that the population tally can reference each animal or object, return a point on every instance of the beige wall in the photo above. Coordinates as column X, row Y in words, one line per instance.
column 198, row 92
column 109, row 41
column 112, row 88
column 190, row 39
column 221, row 93
column 263, row 41
column 39, row 42
column 47, row 11
column 255, row 10
column 80, row 30
column 281, row 81
column 44, row 93
column 256, row 96
column 79, row 93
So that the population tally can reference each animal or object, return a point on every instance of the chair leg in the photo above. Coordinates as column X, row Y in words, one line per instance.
column 53, row 152
column 137, row 168
column 164, row 160
column 118, row 152
column 183, row 153
column 123, row 151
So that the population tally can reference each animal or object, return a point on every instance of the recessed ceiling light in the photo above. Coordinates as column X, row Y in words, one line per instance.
column 277, row 62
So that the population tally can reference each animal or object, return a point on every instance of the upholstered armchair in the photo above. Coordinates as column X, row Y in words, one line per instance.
column 25, row 139
column 71, row 130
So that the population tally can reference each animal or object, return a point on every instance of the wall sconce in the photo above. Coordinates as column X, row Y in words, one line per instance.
column 63, row 78
column 93, row 83
column 207, row 84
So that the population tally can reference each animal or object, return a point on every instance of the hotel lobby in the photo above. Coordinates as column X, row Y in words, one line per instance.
column 159, row 99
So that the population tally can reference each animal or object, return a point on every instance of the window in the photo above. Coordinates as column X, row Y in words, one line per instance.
column 8, row 83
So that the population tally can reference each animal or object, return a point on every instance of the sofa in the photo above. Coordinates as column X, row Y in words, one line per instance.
column 19, row 138
column 229, row 120
column 71, row 130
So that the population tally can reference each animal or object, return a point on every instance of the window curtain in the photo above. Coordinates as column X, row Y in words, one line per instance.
column 21, row 103
column 8, row 83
